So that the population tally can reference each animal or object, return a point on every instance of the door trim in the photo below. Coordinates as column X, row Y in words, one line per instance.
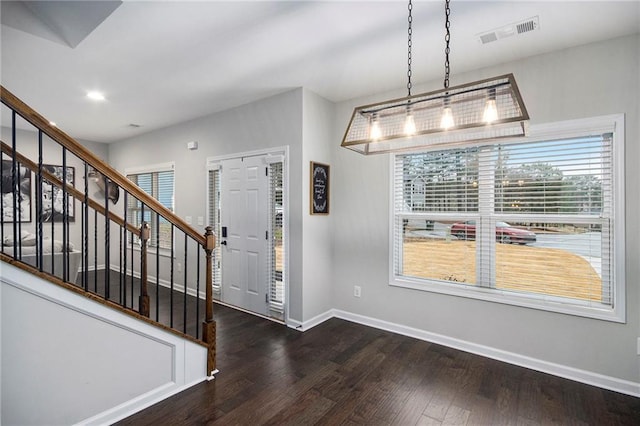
column 275, row 154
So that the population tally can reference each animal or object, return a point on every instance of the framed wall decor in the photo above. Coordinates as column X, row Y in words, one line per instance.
column 319, row 192
column 23, row 176
column 52, row 195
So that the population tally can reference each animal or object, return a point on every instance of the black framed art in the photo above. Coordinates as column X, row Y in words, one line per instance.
column 319, row 191
column 52, row 195
column 23, row 176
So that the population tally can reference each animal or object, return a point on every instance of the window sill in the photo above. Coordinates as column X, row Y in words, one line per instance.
column 527, row 300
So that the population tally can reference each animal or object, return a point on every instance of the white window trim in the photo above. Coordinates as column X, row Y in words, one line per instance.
column 558, row 130
column 151, row 168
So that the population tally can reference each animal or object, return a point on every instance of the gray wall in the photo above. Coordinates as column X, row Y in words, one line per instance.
column 273, row 122
column 587, row 81
column 299, row 119
column 317, row 131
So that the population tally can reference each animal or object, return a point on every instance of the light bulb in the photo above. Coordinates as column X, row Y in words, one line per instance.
column 96, row 96
column 490, row 111
column 409, row 125
column 375, row 132
column 447, row 118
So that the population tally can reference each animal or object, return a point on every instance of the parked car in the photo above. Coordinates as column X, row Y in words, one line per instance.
column 505, row 233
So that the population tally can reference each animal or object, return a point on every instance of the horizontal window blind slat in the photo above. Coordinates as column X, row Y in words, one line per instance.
column 555, row 194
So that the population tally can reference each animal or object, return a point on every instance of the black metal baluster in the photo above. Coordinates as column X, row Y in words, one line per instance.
column 198, row 295
column 141, row 249
column 52, row 218
column 95, row 251
column 107, row 253
column 120, row 286
column 157, row 266
column 171, row 295
column 39, row 239
column 123, row 272
column 65, row 218
column 132, row 283
column 184, row 302
column 14, row 186
column 85, row 224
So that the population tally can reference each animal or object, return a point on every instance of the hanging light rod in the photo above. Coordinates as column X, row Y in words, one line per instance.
column 479, row 111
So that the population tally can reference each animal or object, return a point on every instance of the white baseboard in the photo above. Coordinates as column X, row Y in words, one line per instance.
column 310, row 323
column 151, row 279
column 138, row 404
column 567, row 372
column 294, row 324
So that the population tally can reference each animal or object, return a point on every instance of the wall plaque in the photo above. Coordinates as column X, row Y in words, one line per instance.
column 319, row 188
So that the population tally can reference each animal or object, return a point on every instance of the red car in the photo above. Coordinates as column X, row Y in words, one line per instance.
column 505, row 233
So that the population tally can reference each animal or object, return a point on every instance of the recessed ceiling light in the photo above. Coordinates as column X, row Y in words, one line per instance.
column 96, row 96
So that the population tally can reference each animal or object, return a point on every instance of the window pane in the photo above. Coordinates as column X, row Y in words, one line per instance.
column 556, row 177
column 276, row 175
column 144, row 181
column 165, row 233
column 165, row 189
column 443, row 181
column 160, row 186
column 430, row 251
column 564, row 261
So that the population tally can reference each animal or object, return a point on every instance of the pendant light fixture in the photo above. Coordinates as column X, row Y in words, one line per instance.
column 477, row 111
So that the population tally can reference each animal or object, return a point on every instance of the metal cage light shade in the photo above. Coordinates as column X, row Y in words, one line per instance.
column 482, row 110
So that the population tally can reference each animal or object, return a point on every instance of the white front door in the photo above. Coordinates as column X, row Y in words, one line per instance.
column 244, row 211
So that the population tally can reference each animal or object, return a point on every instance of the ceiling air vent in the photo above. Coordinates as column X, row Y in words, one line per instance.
column 525, row 26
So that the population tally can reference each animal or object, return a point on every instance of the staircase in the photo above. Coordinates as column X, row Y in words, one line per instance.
column 69, row 218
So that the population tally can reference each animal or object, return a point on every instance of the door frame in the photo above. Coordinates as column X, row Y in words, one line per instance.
column 282, row 152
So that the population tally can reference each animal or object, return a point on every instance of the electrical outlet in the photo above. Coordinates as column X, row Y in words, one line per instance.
column 179, row 265
column 357, row 291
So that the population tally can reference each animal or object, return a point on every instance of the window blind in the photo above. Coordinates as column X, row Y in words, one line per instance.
column 276, row 242
column 214, row 222
column 533, row 219
column 160, row 185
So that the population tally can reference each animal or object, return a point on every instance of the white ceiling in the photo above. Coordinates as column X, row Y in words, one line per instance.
column 160, row 63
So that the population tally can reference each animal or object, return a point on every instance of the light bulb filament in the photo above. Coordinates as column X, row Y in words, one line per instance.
column 409, row 124
column 490, row 108
column 375, row 132
column 490, row 111
column 447, row 118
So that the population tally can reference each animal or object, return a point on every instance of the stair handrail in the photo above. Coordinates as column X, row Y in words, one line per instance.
column 97, row 163
column 206, row 241
column 71, row 190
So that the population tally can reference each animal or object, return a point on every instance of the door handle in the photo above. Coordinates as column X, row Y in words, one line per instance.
column 224, row 243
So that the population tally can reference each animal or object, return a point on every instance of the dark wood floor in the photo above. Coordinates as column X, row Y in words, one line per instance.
column 345, row 373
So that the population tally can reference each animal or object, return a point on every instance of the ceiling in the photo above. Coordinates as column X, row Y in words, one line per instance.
column 160, row 63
